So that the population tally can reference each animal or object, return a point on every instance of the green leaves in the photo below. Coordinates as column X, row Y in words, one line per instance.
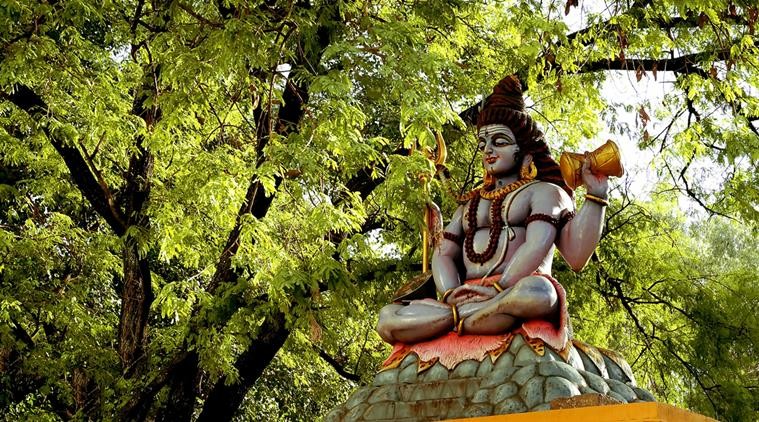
column 674, row 295
column 214, row 95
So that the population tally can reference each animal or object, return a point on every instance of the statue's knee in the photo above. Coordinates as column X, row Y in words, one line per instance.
column 387, row 313
column 385, row 333
column 384, row 325
column 383, row 330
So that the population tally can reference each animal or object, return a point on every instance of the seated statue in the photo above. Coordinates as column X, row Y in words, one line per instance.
column 492, row 269
column 497, row 339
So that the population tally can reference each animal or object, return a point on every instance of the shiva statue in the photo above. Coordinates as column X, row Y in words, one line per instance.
column 492, row 267
column 489, row 333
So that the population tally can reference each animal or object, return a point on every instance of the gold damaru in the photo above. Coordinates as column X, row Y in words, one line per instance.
column 604, row 160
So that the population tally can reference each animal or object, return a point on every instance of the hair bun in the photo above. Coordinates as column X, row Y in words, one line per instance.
column 507, row 93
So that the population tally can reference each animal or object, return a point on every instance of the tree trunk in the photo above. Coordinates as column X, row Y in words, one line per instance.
column 224, row 400
column 137, row 289
column 136, row 297
column 183, row 389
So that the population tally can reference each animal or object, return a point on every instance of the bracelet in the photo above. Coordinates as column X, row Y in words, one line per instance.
column 566, row 218
column 497, row 286
column 542, row 217
column 446, row 294
column 460, row 327
column 597, row 200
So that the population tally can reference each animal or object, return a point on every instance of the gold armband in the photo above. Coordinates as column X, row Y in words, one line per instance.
column 597, row 200
column 497, row 286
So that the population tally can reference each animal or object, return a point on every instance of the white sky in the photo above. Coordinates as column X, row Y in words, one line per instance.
column 621, row 87
column 618, row 88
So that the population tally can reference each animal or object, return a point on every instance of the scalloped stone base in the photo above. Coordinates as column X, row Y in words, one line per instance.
column 519, row 380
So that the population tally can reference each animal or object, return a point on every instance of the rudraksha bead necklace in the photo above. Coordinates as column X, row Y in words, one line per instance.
column 496, row 218
column 501, row 192
column 495, row 230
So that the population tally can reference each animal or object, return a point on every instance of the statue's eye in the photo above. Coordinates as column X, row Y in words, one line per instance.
column 481, row 145
column 502, row 142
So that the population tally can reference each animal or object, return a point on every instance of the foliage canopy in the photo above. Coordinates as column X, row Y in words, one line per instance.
column 204, row 204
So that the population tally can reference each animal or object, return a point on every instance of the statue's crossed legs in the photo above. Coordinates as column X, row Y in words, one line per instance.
column 530, row 298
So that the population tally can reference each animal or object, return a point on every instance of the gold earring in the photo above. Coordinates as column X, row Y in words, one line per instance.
column 528, row 172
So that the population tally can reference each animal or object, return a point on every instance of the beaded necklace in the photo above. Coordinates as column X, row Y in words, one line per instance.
column 501, row 192
column 495, row 230
column 490, row 195
column 496, row 216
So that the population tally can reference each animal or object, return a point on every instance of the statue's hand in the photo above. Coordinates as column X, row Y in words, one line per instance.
column 470, row 293
column 597, row 184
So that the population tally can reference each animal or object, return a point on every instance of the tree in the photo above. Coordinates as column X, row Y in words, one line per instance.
column 677, row 298
column 189, row 187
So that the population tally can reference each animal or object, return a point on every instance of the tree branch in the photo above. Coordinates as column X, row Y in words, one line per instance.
column 631, row 313
column 137, row 17
column 224, row 398
column 686, row 64
column 636, row 9
column 27, row 100
column 693, row 194
column 658, row 22
column 139, row 404
column 198, row 16
column 22, row 334
column 340, row 369
column 256, row 202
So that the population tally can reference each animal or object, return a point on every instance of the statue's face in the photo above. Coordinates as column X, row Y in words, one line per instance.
column 499, row 149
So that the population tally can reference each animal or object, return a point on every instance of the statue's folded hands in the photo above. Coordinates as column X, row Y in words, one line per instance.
column 468, row 293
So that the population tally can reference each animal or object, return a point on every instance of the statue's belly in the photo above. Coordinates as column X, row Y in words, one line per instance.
column 481, row 240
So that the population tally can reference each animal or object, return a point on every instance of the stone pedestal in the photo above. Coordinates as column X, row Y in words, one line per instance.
column 519, row 380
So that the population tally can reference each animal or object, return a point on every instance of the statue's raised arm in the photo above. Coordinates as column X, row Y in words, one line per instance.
column 579, row 239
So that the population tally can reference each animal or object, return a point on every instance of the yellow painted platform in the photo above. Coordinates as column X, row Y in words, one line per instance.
column 633, row 412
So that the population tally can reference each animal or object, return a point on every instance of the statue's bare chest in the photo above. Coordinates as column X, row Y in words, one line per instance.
column 484, row 213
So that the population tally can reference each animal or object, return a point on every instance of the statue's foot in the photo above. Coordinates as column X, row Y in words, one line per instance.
column 487, row 324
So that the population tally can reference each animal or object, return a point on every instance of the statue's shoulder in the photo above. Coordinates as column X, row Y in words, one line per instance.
column 549, row 194
column 540, row 187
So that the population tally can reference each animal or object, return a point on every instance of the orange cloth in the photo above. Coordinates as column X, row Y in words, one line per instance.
column 554, row 333
column 487, row 282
